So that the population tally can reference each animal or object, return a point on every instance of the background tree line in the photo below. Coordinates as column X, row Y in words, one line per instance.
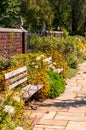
column 68, row 14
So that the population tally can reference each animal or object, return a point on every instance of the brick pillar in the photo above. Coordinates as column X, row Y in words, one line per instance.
column 12, row 42
column 24, row 41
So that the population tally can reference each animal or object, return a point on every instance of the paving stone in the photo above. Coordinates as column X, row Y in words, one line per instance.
column 58, row 108
column 81, row 100
column 47, row 101
column 82, row 69
column 68, row 111
column 74, row 88
column 55, row 129
column 49, row 115
column 50, row 127
column 82, row 93
column 67, row 96
column 71, row 114
column 84, row 88
column 52, row 122
column 72, row 104
column 77, row 109
column 84, row 76
column 44, row 107
column 76, row 125
column 56, row 104
column 70, row 118
column 82, row 83
column 37, row 128
column 54, row 108
column 71, row 84
column 79, row 76
column 36, row 114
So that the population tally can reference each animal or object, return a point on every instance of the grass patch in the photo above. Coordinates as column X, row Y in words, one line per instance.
column 71, row 73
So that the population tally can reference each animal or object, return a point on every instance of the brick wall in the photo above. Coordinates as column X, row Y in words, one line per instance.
column 12, row 41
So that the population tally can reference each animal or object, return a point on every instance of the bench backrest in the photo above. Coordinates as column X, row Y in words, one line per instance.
column 16, row 77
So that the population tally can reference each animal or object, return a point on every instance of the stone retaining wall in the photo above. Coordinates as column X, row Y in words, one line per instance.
column 55, row 33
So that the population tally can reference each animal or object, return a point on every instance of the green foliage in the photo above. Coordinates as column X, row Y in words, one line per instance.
column 40, row 77
column 12, row 111
column 71, row 73
column 62, row 12
column 35, row 12
column 78, row 16
column 2, row 63
column 73, row 48
column 9, row 13
column 72, row 61
column 57, row 84
column 65, row 32
column 37, row 64
column 68, row 14
column 41, row 43
column 49, row 53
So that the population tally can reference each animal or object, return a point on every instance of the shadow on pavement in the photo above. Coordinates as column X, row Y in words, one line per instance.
column 68, row 103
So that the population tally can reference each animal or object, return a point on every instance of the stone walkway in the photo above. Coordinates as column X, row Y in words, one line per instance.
column 67, row 112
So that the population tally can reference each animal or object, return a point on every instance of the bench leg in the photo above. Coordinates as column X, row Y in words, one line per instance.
column 32, row 106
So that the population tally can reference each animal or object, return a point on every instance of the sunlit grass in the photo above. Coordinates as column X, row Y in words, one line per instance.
column 71, row 73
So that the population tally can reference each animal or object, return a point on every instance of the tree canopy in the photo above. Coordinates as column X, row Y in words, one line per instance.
column 68, row 14
column 37, row 11
column 9, row 13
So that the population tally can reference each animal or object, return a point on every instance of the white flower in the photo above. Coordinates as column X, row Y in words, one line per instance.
column 33, row 63
column 54, row 63
column 79, row 39
column 9, row 109
column 19, row 128
column 47, row 60
column 39, row 57
column 51, row 66
column 16, row 98
column 36, row 66
column 50, row 58
column 17, row 93
column 59, row 70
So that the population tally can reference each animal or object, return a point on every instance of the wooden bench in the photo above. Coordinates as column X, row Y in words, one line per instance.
column 19, row 76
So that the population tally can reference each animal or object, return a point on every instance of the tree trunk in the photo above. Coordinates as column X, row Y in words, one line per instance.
column 74, row 17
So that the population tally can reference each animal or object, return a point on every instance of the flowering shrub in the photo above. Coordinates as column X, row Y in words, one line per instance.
column 57, row 53
column 41, row 78
column 2, row 63
column 12, row 115
column 9, row 109
column 72, row 61
column 81, row 50
column 70, row 45
column 19, row 128
column 59, row 61
column 56, row 56
column 37, row 64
